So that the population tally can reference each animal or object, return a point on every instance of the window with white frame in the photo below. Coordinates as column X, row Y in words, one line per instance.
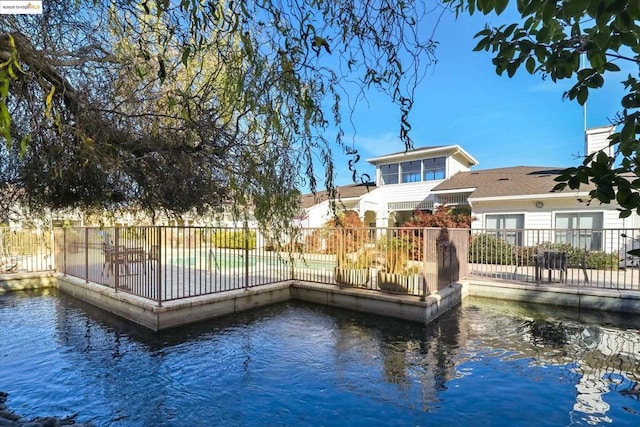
column 434, row 168
column 582, row 230
column 411, row 171
column 389, row 173
column 506, row 227
column 414, row 171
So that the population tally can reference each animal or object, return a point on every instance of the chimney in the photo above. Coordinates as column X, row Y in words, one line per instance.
column 597, row 139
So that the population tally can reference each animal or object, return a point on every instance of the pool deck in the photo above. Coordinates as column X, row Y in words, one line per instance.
column 189, row 310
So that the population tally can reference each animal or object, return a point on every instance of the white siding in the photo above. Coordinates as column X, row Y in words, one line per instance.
column 454, row 166
column 598, row 139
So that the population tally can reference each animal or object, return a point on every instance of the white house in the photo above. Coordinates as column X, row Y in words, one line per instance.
column 404, row 183
column 518, row 197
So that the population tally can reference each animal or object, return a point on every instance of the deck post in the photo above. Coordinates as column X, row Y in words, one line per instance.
column 86, row 254
column 116, row 280
column 423, row 297
column 159, row 266
column 246, row 255
column 64, row 249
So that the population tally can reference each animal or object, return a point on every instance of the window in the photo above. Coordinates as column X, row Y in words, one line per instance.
column 414, row 171
column 434, row 168
column 582, row 230
column 389, row 173
column 411, row 171
column 507, row 227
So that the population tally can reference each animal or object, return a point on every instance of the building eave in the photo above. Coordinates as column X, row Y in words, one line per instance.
column 530, row 197
column 454, row 191
column 452, row 150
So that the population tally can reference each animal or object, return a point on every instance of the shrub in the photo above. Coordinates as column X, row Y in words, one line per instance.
column 489, row 249
column 233, row 239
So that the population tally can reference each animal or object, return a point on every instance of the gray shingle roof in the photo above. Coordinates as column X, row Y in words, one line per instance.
column 502, row 182
column 343, row 192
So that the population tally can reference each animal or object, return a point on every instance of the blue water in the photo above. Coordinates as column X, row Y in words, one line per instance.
column 294, row 364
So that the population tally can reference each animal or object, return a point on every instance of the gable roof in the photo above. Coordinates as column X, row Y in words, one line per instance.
column 342, row 192
column 504, row 182
column 455, row 151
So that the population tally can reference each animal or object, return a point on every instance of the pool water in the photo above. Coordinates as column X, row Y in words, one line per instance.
column 231, row 260
column 294, row 364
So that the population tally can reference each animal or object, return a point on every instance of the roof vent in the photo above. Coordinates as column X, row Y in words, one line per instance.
column 503, row 179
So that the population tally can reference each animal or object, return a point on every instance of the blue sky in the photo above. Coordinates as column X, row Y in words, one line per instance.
column 499, row 121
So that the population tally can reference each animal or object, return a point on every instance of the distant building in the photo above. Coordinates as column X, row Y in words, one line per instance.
column 510, row 198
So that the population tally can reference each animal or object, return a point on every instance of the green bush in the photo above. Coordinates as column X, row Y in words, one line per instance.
column 602, row 261
column 596, row 260
column 489, row 249
column 232, row 239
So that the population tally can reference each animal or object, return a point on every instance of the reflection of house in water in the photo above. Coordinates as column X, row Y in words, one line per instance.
column 607, row 348
column 597, row 360
column 417, row 360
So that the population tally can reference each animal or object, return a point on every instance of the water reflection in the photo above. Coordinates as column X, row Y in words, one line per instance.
column 298, row 363
column 599, row 360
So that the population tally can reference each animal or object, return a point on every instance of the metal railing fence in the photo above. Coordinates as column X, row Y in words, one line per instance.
column 591, row 257
column 171, row 263
column 25, row 250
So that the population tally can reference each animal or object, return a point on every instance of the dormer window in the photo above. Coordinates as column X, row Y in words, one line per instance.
column 413, row 171
column 389, row 173
column 434, row 169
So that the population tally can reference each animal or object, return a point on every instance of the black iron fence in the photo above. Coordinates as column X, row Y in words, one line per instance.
column 25, row 250
column 170, row 263
column 573, row 257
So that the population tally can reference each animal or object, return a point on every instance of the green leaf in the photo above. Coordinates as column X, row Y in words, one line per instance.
column 602, row 38
column 582, row 95
column 625, row 213
column 631, row 100
column 500, row 6
column 610, row 66
column 5, row 123
column 185, row 56
column 573, row 9
column 628, row 131
column 530, row 65
column 24, row 143
column 597, row 59
column 48, row 102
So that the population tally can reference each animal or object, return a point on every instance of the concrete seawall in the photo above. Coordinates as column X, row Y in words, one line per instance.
column 189, row 310
column 613, row 300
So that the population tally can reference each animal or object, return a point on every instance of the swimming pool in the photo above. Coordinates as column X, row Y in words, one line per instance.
column 485, row 363
column 229, row 259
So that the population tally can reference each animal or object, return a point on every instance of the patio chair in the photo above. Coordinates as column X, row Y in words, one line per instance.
column 551, row 260
column 112, row 258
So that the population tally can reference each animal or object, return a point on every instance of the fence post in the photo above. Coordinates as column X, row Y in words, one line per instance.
column 423, row 297
column 64, row 249
column 116, row 278
column 52, row 256
column 159, row 266
column 246, row 255
column 86, row 254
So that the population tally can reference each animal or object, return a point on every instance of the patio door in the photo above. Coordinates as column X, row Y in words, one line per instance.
column 507, row 227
